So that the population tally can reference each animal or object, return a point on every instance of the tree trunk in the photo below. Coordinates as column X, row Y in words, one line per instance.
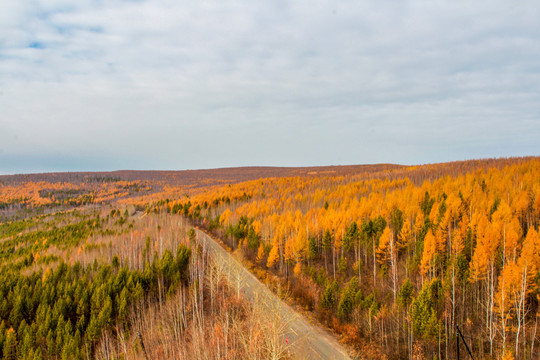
column 374, row 260
column 334, row 259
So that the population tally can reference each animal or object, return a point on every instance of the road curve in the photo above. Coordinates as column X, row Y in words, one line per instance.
column 306, row 341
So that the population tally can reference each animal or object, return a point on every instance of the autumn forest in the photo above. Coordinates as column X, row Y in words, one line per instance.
column 389, row 259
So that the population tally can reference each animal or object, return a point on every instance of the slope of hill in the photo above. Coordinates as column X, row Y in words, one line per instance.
column 199, row 177
column 390, row 257
column 396, row 262
column 208, row 177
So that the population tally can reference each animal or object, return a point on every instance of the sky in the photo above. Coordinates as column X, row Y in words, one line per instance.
column 107, row 85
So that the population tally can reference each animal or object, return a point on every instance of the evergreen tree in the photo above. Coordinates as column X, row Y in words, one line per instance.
column 423, row 310
column 313, row 252
column 9, row 350
column 405, row 294
column 329, row 296
column 351, row 236
column 346, row 305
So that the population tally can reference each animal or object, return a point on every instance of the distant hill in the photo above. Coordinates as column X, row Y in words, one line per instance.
column 206, row 177
column 191, row 177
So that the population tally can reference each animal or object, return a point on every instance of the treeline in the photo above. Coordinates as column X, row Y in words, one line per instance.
column 397, row 262
column 61, row 313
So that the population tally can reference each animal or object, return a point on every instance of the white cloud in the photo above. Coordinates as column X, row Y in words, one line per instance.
column 215, row 83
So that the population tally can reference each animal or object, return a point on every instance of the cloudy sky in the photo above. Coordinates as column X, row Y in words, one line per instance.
column 168, row 84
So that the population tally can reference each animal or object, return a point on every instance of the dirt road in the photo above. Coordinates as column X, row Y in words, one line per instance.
column 306, row 341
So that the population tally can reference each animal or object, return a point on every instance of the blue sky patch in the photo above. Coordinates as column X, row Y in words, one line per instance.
column 36, row 45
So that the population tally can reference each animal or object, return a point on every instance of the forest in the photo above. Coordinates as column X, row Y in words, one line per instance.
column 102, row 282
column 391, row 259
column 394, row 263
